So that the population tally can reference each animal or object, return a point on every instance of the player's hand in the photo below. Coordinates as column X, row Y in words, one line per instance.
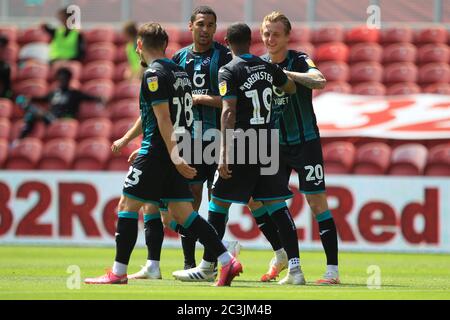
column 118, row 145
column 133, row 155
column 224, row 171
column 196, row 99
column 184, row 169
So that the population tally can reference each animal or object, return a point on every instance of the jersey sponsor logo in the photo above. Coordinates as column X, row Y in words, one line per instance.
column 199, row 80
column 189, row 61
column 223, row 88
column 152, row 83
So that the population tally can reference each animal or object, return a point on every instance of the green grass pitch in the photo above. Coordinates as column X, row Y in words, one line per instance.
column 41, row 273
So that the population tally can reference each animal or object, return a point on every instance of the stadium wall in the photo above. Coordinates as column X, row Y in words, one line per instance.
column 388, row 214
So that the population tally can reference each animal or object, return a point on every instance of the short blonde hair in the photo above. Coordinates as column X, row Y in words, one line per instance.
column 276, row 16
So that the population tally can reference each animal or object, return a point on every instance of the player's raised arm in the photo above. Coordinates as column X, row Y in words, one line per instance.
column 165, row 126
column 131, row 134
column 309, row 76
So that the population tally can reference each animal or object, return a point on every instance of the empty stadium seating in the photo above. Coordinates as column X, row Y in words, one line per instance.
column 339, row 157
column 25, row 154
column 92, row 154
column 408, row 160
column 372, row 158
column 438, row 162
column 58, row 154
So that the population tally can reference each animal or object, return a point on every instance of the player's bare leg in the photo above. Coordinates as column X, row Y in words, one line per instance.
column 154, row 237
column 265, row 223
column 126, row 236
column 183, row 214
column 288, row 234
column 328, row 235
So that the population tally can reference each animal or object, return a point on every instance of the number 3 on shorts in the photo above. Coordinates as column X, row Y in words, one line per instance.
column 132, row 177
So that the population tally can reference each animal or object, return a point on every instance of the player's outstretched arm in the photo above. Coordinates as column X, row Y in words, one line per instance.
column 227, row 123
column 289, row 87
column 313, row 79
column 207, row 100
column 131, row 134
column 165, row 126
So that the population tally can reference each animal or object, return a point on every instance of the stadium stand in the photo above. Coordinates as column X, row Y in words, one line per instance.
column 408, row 160
column 438, row 162
column 372, row 158
column 58, row 154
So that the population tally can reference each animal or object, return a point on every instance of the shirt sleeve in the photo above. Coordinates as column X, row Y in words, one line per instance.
column 279, row 77
column 156, row 87
column 303, row 63
column 227, row 87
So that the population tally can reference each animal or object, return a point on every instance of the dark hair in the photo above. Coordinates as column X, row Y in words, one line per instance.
column 3, row 41
column 239, row 34
column 153, row 36
column 203, row 10
column 64, row 12
column 130, row 29
column 64, row 72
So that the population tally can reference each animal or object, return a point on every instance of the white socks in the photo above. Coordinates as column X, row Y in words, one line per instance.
column 152, row 264
column 294, row 263
column 331, row 268
column 119, row 269
column 280, row 254
column 225, row 258
column 205, row 265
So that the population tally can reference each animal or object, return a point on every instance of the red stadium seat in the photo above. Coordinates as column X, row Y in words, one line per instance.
column 300, row 34
column 438, row 163
column 434, row 73
column 372, row 158
column 256, row 35
column 174, row 33
column 219, row 36
column 74, row 66
column 9, row 32
column 338, row 86
column 95, row 128
column 38, row 131
column 5, row 128
column 396, row 34
column 89, row 110
column 120, row 162
column 100, row 51
column 98, row 70
column 99, row 34
column 31, row 87
column 104, row 88
column 120, row 71
column 11, row 53
column 408, row 160
column 6, row 108
column 403, row 88
column 366, row 52
column 128, row 108
column 438, row 88
column 369, row 89
column 432, row 35
column 339, row 157
column 34, row 70
column 334, row 51
column 335, row 70
column 172, row 48
column 62, row 128
column 400, row 52
column 119, row 38
column 400, row 72
column 121, row 55
column 437, row 52
column 305, row 47
column 17, row 113
column 186, row 38
column 3, row 151
column 121, row 127
column 74, row 84
column 25, row 154
column 366, row 71
column 362, row 34
column 58, row 154
column 91, row 154
column 35, row 34
column 127, row 89
column 328, row 34
column 258, row 49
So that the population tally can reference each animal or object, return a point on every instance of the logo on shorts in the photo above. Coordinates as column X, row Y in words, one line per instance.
column 152, row 83
column 223, row 88
column 318, row 182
